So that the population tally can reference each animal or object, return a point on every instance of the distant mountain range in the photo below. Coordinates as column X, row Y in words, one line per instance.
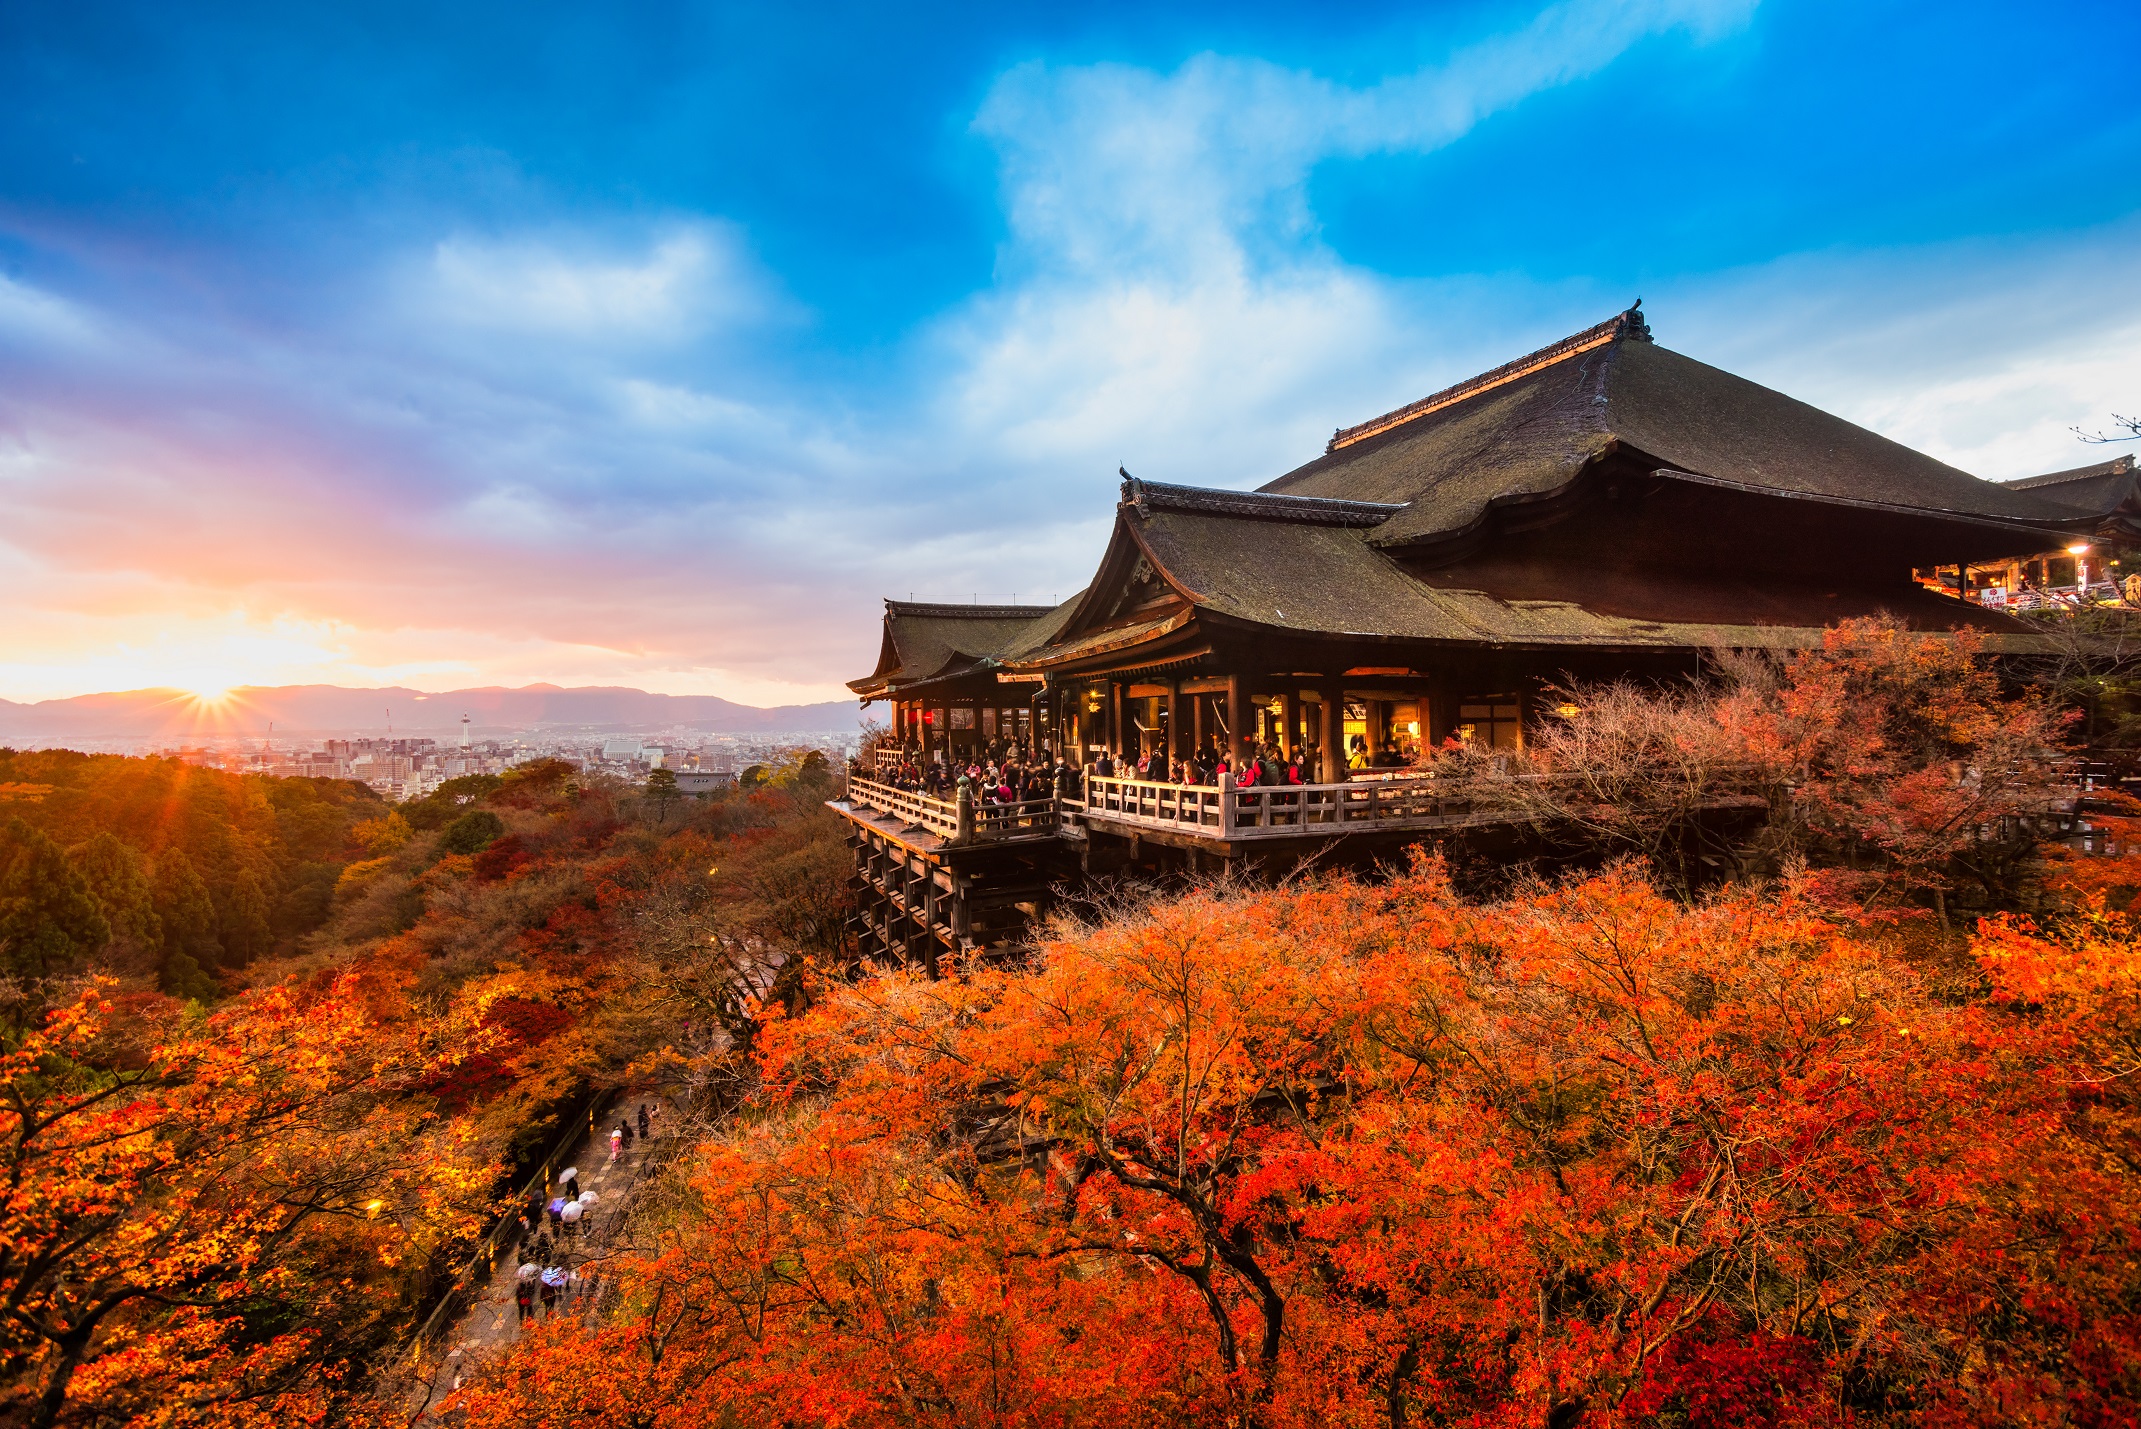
column 333, row 709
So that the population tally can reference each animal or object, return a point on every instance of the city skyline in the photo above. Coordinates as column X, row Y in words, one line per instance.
column 651, row 349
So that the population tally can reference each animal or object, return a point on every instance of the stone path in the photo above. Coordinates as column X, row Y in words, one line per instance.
column 493, row 1319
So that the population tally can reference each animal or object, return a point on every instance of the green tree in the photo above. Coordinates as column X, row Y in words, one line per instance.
column 243, row 921
column 189, row 920
column 472, row 833
column 307, row 898
column 48, row 917
column 806, row 770
column 661, row 788
column 119, row 882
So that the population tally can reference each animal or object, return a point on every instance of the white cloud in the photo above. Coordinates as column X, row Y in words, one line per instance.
column 1107, row 164
column 686, row 281
column 1984, row 354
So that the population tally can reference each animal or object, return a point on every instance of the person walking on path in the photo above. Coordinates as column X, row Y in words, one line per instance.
column 571, row 1217
column 553, row 1279
column 524, row 1289
column 644, row 1123
column 616, row 1146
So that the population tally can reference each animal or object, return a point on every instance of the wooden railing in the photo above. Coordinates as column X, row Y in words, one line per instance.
column 1196, row 807
column 921, row 811
column 962, row 820
column 1274, row 811
column 1024, row 818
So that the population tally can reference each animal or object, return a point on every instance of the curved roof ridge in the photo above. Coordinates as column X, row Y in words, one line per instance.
column 1629, row 325
column 944, row 611
column 2117, row 466
column 1149, row 496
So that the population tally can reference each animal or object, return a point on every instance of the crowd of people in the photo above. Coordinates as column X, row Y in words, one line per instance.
column 553, row 1224
column 999, row 774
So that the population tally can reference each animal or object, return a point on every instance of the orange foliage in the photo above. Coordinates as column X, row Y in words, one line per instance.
column 203, row 1218
column 1905, row 745
column 1350, row 1154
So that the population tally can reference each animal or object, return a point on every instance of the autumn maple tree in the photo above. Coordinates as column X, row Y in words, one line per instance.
column 204, row 1215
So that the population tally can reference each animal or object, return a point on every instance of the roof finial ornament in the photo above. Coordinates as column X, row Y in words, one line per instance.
column 1133, row 490
column 1633, row 326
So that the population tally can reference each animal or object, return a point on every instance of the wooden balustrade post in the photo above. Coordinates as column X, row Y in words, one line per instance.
column 964, row 830
column 1226, row 794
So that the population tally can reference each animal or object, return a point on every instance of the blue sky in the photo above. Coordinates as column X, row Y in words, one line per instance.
column 651, row 345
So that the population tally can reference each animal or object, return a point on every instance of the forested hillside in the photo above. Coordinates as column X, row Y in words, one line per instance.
column 238, row 1185
column 164, row 871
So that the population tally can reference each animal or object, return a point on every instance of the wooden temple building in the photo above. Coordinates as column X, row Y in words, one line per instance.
column 1601, row 508
column 2083, row 570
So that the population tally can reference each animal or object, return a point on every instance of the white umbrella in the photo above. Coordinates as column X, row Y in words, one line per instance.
column 568, row 1173
column 588, row 1198
column 572, row 1212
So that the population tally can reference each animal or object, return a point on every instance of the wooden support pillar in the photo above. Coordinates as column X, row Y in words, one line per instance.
column 1118, row 745
column 1376, row 714
column 1174, row 720
column 1438, row 714
column 1237, row 720
column 1331, row 733
column 1290, row 733
column 1196, row 724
